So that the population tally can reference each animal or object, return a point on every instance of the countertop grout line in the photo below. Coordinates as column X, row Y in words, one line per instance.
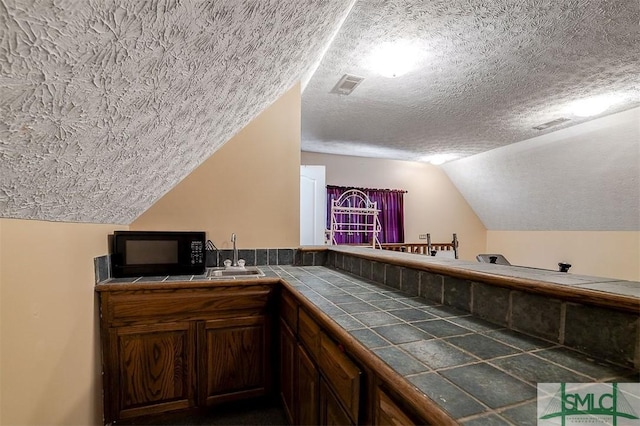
column 486, row 407
column 449, row 319
column 477, row 359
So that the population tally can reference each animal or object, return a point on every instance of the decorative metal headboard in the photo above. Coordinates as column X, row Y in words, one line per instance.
column 354, row 212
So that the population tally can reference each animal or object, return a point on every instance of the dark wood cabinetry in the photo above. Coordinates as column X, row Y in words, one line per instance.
column 308, row 388
column 166, row 350
column 299, row 381
column 337, row 381
column 388, row 413
column 331, row 412
column 155, row 365
column 232, row 358
column 309, row 333
column 176, row 347
column 341, row 374
column 287, row 371
column 319, row 383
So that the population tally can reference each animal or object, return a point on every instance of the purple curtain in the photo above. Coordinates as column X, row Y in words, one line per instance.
column 391, row 216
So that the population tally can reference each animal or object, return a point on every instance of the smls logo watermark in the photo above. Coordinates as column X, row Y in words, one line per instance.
column 569, row 404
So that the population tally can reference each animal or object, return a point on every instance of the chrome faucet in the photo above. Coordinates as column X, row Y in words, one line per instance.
column 235, row 250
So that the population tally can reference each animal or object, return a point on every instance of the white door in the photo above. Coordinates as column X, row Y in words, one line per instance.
column 313, row 207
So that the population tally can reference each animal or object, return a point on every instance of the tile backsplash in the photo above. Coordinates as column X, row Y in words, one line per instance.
column 253, row 257
column 215, row 258
column 102, row 268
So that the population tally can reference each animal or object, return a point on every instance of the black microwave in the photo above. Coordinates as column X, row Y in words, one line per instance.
column 157, row 253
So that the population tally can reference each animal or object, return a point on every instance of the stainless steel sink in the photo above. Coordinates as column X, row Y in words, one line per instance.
column 234, row 272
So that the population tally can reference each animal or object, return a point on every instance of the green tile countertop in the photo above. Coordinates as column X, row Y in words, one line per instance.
column 478, row 372
column 177, row 281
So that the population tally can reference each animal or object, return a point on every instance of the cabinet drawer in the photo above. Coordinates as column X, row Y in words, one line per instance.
column 309, row 333
column 127, row 307
column 341, row 373
column 388, row 413
column 289, row 311
column 331, row 411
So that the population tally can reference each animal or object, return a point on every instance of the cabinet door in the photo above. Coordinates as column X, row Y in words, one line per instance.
column 155, row 369
column 289, row 311
column 388, row 413
column 287, row 371
column 309, row 333
column 341, row 373
column 331, row 412
column 308, row 383
column 233, row 356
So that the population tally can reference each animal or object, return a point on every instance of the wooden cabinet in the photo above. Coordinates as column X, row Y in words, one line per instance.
column 338, row 382
column 342, row 375
column 323, row 385
column 388, row 413
column 289, row 311
column 331, row 412
column 299, row 377
column 170, row 349
column 307, row 389
column 288, row 371
column 309, row 333
column 232, row 358
column 155, row 366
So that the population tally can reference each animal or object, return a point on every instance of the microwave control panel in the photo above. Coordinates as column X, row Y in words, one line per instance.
column 197, row 252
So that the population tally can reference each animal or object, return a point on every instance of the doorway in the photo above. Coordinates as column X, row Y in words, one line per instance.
column 313, row 205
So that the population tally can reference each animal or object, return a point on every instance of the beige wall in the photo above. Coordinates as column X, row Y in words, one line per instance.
column 432, row 205
column 250, row 186
column 49, row 337
column 597, row 253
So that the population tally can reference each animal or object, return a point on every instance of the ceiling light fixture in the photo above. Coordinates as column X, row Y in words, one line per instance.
column 589, row 107
column 394, row 59
column 438, row 159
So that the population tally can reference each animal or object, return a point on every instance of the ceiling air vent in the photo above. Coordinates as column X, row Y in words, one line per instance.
column 552, row 123
column 347, row 84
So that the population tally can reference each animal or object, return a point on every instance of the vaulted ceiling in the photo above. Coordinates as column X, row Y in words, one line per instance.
column 581, row 178
column 107, row 104
column 482, row 74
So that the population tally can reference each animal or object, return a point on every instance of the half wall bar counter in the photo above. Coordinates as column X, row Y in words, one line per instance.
column 366, row 336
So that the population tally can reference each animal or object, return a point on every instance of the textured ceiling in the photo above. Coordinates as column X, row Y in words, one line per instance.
column 582, row 178
column 106, row 105
column 487, row 72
